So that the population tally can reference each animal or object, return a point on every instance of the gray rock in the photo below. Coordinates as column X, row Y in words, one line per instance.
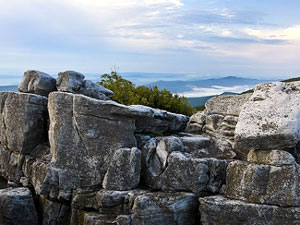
column 11, row 165
column 70, row 81
column 165, row 208
column 270, row 119
column 221, row 129
column 17, row 207
column 196, row 123
column 113, row 203
column 23, row 121
column 37, row 82
column 217, row 175
column 124, row 171
column 74, row 82
column 36, row 171
column 271, row 157
column 205, row 147
column 183, row 173
column 226, row 104
column 84, row 134
column 97, row 91
column 263, row 183
column 217, row 210
column 149, row 120
column 54, row 213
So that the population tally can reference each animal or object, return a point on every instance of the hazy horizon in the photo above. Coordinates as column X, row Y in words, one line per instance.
column 138, row 78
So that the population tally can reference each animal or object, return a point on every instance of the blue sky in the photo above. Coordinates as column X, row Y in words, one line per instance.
column 193, row 37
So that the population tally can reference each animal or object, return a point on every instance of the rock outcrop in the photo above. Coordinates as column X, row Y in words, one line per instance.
column 73, row 156
column 74, row 82
column 270, row 119
column 37, row 82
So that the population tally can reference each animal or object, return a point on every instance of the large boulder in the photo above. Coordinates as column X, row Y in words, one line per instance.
column 74, row 82
column 37, row 82
column 124, row 171
column 217, row 210
column 226, row 104
column 23, row 121
column 84, row 134
column 269, row 119
column 269, row 183
column 166, row 168
column 17, row 207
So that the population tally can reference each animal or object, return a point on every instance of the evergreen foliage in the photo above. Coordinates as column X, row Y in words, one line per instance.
column 125, row 92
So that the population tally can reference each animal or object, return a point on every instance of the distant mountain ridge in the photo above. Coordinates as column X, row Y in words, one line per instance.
column 199, row 101
column 180, row 86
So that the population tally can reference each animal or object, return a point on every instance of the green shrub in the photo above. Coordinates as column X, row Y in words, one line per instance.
column 126, row 93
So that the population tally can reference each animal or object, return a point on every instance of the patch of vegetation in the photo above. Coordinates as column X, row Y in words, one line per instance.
column 125, row 92
column 200, row 107
column 291, row 80
column 247, row 92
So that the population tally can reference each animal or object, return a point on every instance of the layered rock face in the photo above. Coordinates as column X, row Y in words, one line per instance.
column 218, row 121
column 70, row 155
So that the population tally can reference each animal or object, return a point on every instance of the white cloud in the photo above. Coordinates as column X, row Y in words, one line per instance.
column 214, row 90
column 291, row 33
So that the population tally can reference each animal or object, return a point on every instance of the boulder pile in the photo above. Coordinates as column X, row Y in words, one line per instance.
column 71, row 155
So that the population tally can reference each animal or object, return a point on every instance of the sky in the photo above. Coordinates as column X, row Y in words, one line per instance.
column 191, row 38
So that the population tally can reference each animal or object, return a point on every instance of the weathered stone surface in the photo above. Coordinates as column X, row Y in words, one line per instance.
column 36, row 169
column 263, row 183
column 217, row 210
column 37, row 82
column 97, row 91
column 270, row 119
column 17, row 207
column 107, row 202
column 271, row 157
column 69, row 81
column 196, row 123
column 23, row 121
column 93, row 218
column 226, row 104
column 164, row 208
column 204, row 147
column 221, row 129
column 149, row 120
column 11, row 165
column 84, row 134
column 124, row 171
column 178, row 171
column 54, row 213
column 74, row 82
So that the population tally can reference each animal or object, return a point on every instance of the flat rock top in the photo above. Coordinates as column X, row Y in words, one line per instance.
column 226, row 104
column 271, row 117
column 12, row 192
